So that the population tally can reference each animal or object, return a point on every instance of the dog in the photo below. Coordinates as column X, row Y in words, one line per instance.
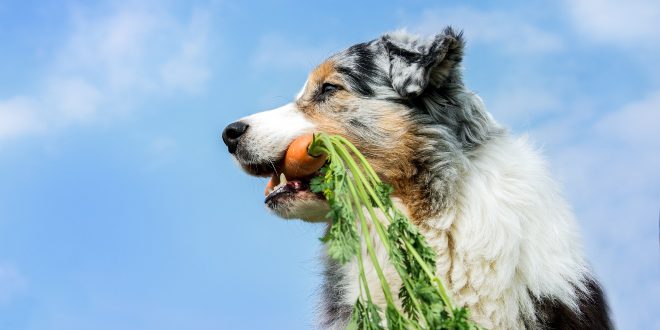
column 506, row 240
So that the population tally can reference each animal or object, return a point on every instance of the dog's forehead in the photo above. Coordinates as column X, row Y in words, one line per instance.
column 359, row 57
column 318, row 75
column 356, row 53
column 322, row 71
column 363, row 68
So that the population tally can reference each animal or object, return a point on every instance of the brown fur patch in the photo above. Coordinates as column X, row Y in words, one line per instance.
column 324, row 73
column 321, row 72
column 388, row 141
column 393, row 159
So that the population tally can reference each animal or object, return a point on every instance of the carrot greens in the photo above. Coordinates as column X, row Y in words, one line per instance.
column 356, row 195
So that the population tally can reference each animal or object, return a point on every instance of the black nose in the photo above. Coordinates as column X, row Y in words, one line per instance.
column 232, row 133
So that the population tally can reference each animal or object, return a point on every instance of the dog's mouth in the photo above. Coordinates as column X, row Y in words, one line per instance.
column 281, row 188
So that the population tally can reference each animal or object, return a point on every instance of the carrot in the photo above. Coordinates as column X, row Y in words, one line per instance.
column 298, row 163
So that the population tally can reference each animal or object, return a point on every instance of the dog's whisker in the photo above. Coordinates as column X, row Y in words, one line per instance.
column 274, row 169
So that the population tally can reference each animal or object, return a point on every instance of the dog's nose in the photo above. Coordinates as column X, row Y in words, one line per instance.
column 232, row 133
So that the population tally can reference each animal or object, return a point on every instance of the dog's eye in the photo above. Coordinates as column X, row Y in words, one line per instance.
column 328, row 88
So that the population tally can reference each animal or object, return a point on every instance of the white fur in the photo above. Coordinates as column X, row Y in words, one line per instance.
column 302, row 90
column 305, row 206
column 512, row 232
column 271, row 132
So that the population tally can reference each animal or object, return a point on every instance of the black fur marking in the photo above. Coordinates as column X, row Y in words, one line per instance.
column 360, row 71
column 411, row 57
column 357, row 81
column 454, row 107
column 402, row 101
column 332, row 311
column 357, row 124
column 552, row 314
column 449, row 71
column 364, row 59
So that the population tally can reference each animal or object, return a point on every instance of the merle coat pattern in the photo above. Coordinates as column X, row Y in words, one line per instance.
column 506, row 240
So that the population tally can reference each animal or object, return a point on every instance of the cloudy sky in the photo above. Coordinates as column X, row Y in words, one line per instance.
column 120, row 208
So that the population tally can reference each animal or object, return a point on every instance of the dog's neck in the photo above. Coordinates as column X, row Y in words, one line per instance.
column 439, row 168
column 416, row 192
column 452, row 125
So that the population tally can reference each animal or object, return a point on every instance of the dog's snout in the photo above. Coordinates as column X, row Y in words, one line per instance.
column 232, row 134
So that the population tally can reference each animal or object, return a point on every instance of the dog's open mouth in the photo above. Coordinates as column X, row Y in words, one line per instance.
column 288, row 191
column 280, row 188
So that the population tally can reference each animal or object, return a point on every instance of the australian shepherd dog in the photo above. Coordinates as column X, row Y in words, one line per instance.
column 506, row 241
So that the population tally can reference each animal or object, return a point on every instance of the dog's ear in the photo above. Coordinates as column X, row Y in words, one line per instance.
column 415, row 63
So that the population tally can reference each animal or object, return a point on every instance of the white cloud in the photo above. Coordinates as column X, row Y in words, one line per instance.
column 631, row 23
column 519, row 104
column 11, row 283
column 17, row 117
column 278, row 52
column 636, row 124
column 508, row 31
column 138, row 49
column 161, row 150
column 74, row 98
column 187, row 69
column 108, row 63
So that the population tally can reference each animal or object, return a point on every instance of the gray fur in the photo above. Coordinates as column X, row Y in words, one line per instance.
column 333, row 312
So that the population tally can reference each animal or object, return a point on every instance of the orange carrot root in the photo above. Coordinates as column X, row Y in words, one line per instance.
column 297, row 162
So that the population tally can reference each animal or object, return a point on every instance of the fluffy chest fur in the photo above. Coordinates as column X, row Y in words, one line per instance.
column 505, row 244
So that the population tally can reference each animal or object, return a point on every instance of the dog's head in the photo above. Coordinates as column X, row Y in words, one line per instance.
column 400, row 99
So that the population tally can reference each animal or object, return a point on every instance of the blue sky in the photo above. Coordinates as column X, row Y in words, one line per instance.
column 120, row 208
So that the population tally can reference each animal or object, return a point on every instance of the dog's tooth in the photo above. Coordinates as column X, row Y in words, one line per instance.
column 282, row 179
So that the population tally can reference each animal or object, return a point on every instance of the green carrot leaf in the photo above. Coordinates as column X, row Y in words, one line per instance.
column 350, row 185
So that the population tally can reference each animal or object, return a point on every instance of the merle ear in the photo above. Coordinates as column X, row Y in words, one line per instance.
column 415, row 63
